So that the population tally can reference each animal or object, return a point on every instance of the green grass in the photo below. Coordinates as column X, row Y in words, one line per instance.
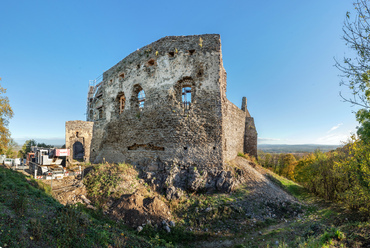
column 323, row 224
column 291, row 187
column 30, row 217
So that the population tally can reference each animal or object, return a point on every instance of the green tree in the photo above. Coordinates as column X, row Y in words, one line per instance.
column 356, row 170
column 6, row 113
column 26, row 148
column 356, row 69
column 44, row 145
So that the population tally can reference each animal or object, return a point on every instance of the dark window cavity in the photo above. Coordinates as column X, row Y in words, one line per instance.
column 122, row 101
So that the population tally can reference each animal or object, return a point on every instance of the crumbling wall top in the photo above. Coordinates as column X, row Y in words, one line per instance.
column 167, row 46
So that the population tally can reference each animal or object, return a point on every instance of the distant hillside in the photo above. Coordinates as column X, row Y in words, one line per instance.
column 295, row 148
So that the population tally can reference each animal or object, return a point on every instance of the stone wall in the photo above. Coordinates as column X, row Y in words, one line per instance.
column 250, row 137
column 234, row 128
column 164, row 131
column 79, row 132
column 206, row 131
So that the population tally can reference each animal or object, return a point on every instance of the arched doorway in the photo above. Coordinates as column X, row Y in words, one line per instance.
column 78, row 151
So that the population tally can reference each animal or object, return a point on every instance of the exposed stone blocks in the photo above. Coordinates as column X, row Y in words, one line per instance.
column 206, row 131
column 250, row 137
column 233, row 127
column 79, row 132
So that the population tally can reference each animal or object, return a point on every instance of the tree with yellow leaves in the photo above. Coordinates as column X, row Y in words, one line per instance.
column 288, row 165
column 6, row 113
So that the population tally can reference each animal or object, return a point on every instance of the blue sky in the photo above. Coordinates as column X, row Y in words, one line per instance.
column 279, row 54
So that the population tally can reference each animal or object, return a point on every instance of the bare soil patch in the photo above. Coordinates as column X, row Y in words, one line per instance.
column 259, row 186
column 137, row 210
column 68, row 190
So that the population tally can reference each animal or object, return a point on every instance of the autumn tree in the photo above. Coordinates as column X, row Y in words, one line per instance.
column 289, row 163
column 6, row 113
column 11, row 151
column 356, row 69
column 356, row 171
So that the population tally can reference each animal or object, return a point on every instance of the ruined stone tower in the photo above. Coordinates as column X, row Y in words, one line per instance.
column 166, row 104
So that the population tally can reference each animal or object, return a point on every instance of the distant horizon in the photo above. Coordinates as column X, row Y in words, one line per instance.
column 308, row 144
column 61, row 141
column 48, row 141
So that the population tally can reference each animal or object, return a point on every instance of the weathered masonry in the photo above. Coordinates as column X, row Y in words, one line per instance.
column 78, row 139
column 166, row 104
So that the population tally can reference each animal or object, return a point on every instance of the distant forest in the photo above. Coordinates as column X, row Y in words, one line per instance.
column 296, row 148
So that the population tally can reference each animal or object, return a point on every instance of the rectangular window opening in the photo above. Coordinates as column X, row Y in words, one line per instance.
column 186, row 97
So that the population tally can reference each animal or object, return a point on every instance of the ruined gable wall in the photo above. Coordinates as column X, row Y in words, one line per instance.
column 79, row 131
column 238, row 130
column 250, row 137
column 233, row 122
column 234, row 129
column 163, row 130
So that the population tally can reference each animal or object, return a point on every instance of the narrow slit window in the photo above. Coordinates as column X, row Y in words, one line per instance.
column 122, row 101
column 186, row 97
column 141, row 99
column 101, row 112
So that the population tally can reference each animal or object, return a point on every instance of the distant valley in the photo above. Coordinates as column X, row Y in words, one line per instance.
column 295, row 148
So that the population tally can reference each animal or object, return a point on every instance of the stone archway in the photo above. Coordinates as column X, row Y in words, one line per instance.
column 78, row 151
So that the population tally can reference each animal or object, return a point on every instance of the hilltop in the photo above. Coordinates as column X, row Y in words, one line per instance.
column 123, row 210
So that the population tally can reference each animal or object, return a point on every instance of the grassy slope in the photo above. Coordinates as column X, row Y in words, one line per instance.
column 29, row 217
column 323, row 224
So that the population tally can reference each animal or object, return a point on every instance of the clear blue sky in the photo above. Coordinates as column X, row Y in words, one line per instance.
column 279, row 54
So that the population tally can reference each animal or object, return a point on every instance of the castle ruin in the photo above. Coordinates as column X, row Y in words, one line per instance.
column 165, row 104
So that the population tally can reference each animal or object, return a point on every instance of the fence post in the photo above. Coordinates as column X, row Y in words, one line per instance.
column 51, row 182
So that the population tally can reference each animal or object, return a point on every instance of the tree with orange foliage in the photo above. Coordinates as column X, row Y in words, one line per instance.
column 6, row 113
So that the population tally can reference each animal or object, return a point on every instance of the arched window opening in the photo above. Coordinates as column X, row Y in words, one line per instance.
column 122, row 101
column 78, row 151
column 100, row 113
column 186, row 97
column 137, row 99
column 141, row 99
column 91, row 114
